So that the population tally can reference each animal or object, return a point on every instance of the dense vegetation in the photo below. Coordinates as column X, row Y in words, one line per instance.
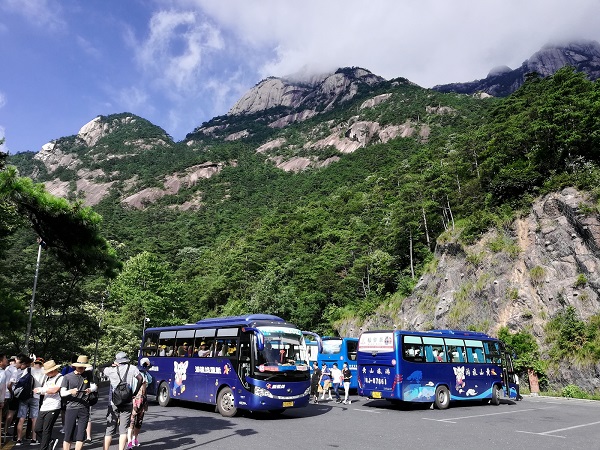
column 327, row 243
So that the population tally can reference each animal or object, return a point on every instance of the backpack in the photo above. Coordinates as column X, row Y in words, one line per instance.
column 122, row 393
column 23, row 389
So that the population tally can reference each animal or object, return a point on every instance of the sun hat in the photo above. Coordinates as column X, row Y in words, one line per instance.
column 50, row 365
column 82, row 361
column 121, row 358
column 145, row 362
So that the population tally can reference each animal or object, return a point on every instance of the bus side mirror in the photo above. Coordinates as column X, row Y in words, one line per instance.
column 260, row 338
column 317, row 338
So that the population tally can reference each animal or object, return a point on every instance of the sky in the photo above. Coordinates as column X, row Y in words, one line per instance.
column 179, row 63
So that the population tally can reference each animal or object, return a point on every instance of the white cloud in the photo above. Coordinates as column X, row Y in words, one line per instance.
column 427, row 41
column 41, row 13
column 172, row 54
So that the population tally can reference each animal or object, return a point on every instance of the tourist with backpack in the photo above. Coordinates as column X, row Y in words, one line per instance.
column 121, row 376
column 50, row 409
column 75, row 388
column 29, row 402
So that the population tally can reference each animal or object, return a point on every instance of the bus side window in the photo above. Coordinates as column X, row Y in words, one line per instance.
column 352, row 348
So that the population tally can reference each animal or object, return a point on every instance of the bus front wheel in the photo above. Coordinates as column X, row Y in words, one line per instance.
column 442, row 397
column 164, row 394
column 226, row 403
column 495, row 395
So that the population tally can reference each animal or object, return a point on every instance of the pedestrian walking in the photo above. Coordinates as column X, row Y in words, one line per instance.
column 50, row 409
column 140, row 405
column 315, row 379
column 326, row 380
column 75, row 388
column 347, row 375
column 13, row 373
column 119, row 416
column 336, row 379
column 28, row 408
column 3, row 383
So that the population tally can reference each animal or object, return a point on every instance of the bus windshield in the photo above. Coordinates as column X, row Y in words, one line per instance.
column 332, row 346
column 282, row 347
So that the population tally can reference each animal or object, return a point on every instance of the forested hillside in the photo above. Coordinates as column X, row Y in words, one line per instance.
column 315, row 246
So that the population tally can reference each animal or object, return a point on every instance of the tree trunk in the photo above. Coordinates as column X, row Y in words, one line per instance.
column 534, row 382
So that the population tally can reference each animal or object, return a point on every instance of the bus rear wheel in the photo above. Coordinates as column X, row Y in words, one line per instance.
column 226, row 403
column 442, row 397
column 164, row 394
column 495, row 395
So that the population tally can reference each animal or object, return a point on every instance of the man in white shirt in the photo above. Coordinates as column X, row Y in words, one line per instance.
column 30, row 407
column 3, row 364
column 50, row 409
column 12, row 372
column 120, row 416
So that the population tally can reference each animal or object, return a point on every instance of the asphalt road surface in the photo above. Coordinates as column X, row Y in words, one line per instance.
column 534, row 423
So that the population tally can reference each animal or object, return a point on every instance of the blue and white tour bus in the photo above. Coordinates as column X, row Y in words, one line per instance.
column 253, row 362
column 435, row 366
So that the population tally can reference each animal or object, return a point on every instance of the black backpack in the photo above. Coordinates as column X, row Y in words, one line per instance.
column 23, row 389
column 122, row 393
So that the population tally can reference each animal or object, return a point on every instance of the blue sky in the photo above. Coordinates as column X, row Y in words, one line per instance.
column 180, row 63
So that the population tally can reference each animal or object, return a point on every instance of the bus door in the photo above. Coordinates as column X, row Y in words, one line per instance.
column 509, row 375
column 203, row 363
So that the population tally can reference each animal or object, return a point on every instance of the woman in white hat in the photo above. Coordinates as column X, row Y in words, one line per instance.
column 50, row 409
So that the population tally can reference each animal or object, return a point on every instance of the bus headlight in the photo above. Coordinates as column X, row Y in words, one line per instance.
column 262, row 392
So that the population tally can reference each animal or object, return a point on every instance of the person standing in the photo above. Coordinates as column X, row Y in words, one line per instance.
column 120, row 416
column 3, row 364
column 13, row 373
column 140, row 405
column 50, row 409
column 326, row 380
column 315, row 379
column 336, row 379
column 75, row 388
column 346, row 374
column 30, row 407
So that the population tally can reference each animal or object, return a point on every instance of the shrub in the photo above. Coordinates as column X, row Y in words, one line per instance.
column 537, row 275
column 573, row 391
column 581, row 281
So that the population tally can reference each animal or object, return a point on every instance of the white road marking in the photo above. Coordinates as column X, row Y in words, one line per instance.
column 367, row 410
column 453, row 419
column 549, row 433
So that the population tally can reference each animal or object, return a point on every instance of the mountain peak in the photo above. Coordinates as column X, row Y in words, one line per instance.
column 583, row 55
column 304, row 91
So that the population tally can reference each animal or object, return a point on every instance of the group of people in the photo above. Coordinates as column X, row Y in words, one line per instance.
column 325, row 380
column 69, row 393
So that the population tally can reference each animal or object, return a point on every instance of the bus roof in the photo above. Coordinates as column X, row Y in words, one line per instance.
column 446, row 333
column 215, row 322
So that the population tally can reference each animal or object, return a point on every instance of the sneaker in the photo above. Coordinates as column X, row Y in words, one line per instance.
column 130, row 444
column 136, row 443
column 34, row 442
column 349, row 401
column 19, row 443
column 330, row 398
column 88, row 441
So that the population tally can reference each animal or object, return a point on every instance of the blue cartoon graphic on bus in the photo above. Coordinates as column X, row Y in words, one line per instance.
column 180, row 377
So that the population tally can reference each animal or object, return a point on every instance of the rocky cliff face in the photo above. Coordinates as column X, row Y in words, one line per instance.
column 321, row 92
column 520, row 278
column 584, row 56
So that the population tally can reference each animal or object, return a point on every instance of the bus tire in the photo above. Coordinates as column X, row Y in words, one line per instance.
column 164, row 394
column 495, row 395
column 442, row 397
column 226, row 402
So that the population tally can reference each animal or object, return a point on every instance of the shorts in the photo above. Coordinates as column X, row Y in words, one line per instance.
column 13, row 404
column 76, row 420
column 118, row 417
column 140, row 406
column 29, row 408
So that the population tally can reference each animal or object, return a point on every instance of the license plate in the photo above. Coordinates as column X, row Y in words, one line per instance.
column 376, row 394
column 288, row 404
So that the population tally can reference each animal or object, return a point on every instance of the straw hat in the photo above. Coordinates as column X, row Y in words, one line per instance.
column 50, row 365
column 82, row 361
